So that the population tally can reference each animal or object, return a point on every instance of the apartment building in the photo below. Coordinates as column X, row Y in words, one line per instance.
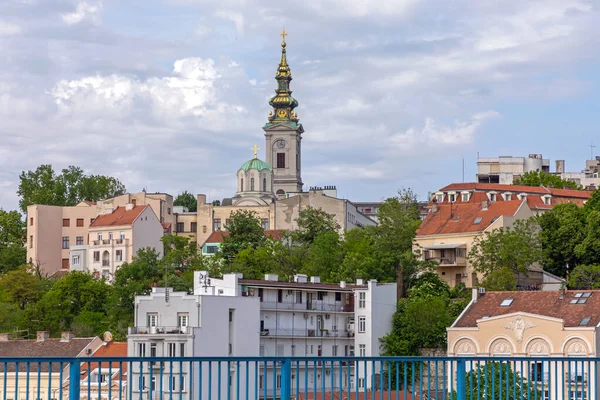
column 177, row 324
column 313, row 319
column 505, row 169
column 53, row 230
column 115, row 238
column 535, row 324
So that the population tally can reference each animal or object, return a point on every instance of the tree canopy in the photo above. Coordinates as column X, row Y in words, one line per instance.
column 188, row 200
column 71, row 186
column 541, row 178
column 12, row 240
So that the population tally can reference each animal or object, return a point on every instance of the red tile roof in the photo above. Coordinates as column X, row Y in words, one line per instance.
column 460, row 218
column 217, row 236
column 53, row 347
column 119, row 217
column 547, row 303
column 109, row 349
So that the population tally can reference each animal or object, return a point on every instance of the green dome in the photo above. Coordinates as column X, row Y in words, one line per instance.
column 256, row 164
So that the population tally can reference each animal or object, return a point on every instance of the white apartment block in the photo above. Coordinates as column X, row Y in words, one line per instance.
column 306, row 318
column 177, row 324
column 505, row 169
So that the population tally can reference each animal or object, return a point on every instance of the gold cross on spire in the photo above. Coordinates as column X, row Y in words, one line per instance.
column 255, row 149
column 283, row 34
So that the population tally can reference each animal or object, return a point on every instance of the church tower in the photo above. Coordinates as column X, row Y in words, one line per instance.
column 283, row 133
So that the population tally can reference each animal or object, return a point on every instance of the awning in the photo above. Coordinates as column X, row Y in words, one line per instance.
column 445, row 246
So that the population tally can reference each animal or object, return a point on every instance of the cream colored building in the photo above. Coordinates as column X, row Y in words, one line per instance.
column 116, row 237
column 541, row 324
column 53, row 230
column 49, row 382
column 506, row 169
column 447, row 234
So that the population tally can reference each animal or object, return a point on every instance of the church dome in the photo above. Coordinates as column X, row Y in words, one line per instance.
column 256, row 164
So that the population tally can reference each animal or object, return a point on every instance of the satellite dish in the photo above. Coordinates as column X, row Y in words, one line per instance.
column 108, row 337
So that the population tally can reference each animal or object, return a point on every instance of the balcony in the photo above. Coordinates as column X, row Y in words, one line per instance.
column 448, row 261
column 316, row 306
column 110, row 242
column 306, row 333
column 160, row 330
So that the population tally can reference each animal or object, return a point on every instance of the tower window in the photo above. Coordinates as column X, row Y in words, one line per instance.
column 264, row 184
column 252, row 184
column 242, row 185
column 280, row 160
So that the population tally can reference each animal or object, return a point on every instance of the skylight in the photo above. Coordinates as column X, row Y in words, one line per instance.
column 584, row 321
column 506, row 302
column 477, row 220
column 456, row 218
column 581, row 297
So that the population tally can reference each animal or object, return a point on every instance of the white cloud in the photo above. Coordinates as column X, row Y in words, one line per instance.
column 9, row 29
column 84, row 11
column 235, row 17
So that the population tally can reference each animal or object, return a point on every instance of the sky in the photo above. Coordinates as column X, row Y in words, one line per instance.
column 170, row 95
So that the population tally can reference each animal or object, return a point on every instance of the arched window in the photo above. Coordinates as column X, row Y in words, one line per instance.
column 252, row 184
column 264, row 184
column 280, row 192
column 242, row 185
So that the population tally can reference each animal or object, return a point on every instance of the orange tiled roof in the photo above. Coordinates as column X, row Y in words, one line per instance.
column 543, row 302
column 121, row 216
column 109, row 349
column 460, row 218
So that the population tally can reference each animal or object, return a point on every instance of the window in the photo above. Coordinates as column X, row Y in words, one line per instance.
column 581, row 297
column 172, row 382
column 506, row 302
column 265, row 223
column 110, row 235
column 280, row 160
column 143, row 384
column 362, row 350
column 334, row 350
column 362, row 299
column 584, row 321
column 321, row 295
column 79, row 240
column 79, row 222
column 183, row 319
column 264, row 184
column 66, row 222
column 182, row 349
column 252, row 184
column 153, row 384
column 194, row 227
column 99, row 235
column 152, row 319
column 278, row 381
column 361, row 383
column 153, row 352
column 31, row 242
column 279, row 295
column 171, row 348
column 119, row 255
column 260, row 381
column 216, row 224
column 242, row 185
column 211, row 249
column 141, row 349
column 338, row 296
column 65, row 242
column 362, row 324
column 122, row 235
column 96, row 256
column 65, row 263
column 298, row 297
column 75, row 260
column 492, row 196
column 452, row 198
column 30, row 221
column 180, row 227
column 477, row 220
column 182, row 383
column 465, row 197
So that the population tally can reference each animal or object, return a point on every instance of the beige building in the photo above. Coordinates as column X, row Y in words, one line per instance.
column 53, row 230
column 506, row 169
column 20, row 384
column 116, row 237
column 541, row 324
column 447, row 234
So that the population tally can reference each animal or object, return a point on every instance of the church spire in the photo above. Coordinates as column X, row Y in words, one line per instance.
column 283, row 103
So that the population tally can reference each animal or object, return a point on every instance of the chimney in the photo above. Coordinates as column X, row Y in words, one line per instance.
column 343, row 284
column 434, row 208
column 272, row 277
column 42, row 336
column 484, row 205
column 560, row 166
column 315, row 279
column 201, row 199
column 476, row 293
column 5, row 337
column 66, row 337
column 129, row 206
column 359, row 281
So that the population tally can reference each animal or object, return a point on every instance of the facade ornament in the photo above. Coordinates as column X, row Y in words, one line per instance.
column 465, row 347
column 502, row 347
column 519, row 325
column 576, row 347
column 538, row 347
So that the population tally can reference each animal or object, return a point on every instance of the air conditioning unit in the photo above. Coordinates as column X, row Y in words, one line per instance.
column 327, row 316
column 481, row 290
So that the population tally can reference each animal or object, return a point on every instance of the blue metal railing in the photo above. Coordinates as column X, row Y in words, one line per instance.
column 299, row 378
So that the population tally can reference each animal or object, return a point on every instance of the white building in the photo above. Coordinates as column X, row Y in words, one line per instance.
column 313, row 319
column 115, row 237
column 176, row 324
column 505, row 169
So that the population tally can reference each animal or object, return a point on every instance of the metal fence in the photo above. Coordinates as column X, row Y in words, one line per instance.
column 287, row 378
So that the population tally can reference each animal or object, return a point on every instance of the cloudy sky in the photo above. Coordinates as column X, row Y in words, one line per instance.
column 171, row 94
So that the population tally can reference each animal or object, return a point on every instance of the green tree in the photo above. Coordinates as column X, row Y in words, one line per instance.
column 360, row 257
column 71, row 186
column 500, row 280
column 585, row 277
column 497, row 381
column 594, row 202
column 12, row 240
column 254, row 263
column 515, row 248
column 313, row 222
column 563, row 228
column 588, row 250
column 21, row 287
column 324, row 256
column 541, row 178
column 244, row 230
column 186, row 199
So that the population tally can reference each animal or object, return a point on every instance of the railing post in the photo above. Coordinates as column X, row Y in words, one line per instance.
column 286, row 379
column 74, row 380
column 461, row 381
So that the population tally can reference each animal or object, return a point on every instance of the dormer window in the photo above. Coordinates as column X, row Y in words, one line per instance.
column 507, row 196
column 492, row 196
column 440, row 197
column 452, row 197
column 546, row 200
column 522, row 196
column 465, row 197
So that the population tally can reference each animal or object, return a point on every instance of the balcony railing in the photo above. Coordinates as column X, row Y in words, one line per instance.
column 448, row 261
column 110, row 242
column 160, row 330
column 307, row 333
column 318, row 306
column 299, row 378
